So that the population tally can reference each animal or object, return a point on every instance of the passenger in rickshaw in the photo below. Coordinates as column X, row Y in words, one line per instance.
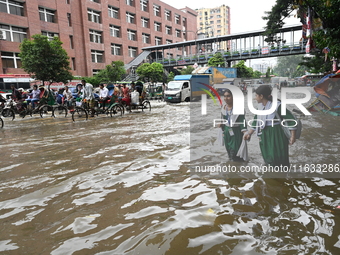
column 67, row 97
column 134, row 97
column 126, row 95
column 120, row 92
column 34, row 96
column 16, row 95
column 103, row 95
column 2, row 100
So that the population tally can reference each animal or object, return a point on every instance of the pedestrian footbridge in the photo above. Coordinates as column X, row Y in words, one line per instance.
column 241, row 46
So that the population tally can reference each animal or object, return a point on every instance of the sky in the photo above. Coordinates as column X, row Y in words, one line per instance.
column 245, row 15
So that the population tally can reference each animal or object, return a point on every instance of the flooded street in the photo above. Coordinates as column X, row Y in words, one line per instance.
column 123, row 185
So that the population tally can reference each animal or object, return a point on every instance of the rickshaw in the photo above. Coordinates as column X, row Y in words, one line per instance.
column 155, row 92
column 138, row 103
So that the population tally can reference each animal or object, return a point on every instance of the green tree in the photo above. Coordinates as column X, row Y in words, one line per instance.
column 150, row 72
column 243, row 71
column 112, row 73
column 45, row 59
column 217, row 60
column 324, row 12
column 94, row 80
column 290, row 66
column 257, row 74
column 316, row 63
column 171, row 77
column 187, row 70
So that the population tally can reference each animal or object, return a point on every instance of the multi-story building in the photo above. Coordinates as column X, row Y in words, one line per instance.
column 214, row 22
column 94, row 32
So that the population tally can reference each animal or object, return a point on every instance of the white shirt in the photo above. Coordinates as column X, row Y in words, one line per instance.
column 88, row 92
column 103, row 92
column 68, row 94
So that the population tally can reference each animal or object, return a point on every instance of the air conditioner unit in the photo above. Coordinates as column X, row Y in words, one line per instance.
column 2, row 35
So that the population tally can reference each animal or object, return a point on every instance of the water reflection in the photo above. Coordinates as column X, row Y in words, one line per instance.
column 122, row 185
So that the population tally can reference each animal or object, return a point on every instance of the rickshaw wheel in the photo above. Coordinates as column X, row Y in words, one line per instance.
column 146, row 105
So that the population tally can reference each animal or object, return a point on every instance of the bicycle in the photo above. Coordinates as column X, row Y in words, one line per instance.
column 79, row 112
column 11, row 108
column 114, row 108
column 1, row 123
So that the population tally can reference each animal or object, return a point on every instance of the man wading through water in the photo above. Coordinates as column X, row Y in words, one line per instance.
column 88, row 96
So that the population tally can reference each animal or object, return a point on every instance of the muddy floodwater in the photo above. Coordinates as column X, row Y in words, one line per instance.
column 123, row 185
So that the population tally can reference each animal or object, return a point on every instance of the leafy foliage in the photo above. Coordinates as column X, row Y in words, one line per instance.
column 243, row 71
column 112, row 73
column 94, row 80
column 324, row 10
column 150, row 72
column 217, row 60
column 171, row 77
column 257, row 74
column 316, row 63
column 187, row 70
column 290, row 66
column 45, row 60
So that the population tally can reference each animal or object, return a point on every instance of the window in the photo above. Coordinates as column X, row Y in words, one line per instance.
column 10, row 60
column 146, row 38
column 218, row 16
column 132, row 35
column 95, row 36
column 168, row 41
column 178, row 33
column 46, row 15
column 116, row 49
column 130, row 2
column 69, row 19
column 157, row 26
column 50, row 35
column 113, row 12
column 168, row 30
column 130, row 18
column 156, row 10
column 96, row 1
column 12, row 7
column 114, row 31
column 144, row 5
column 132, row 52
column 73, row 62
column 71, row 42
column 95, row 71
column 145, row 22
column 184, row 22
column 211, row 22
column 67, row 1
column 167, row 15
column 158, row 41
column 218, row 21
column 97, row 56
column 14, row 34
column 93, row 16
column 177, row 19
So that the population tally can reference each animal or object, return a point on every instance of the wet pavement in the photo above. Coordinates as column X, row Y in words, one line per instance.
column 122, row 185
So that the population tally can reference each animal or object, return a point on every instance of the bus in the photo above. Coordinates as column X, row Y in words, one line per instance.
column 19, row 81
